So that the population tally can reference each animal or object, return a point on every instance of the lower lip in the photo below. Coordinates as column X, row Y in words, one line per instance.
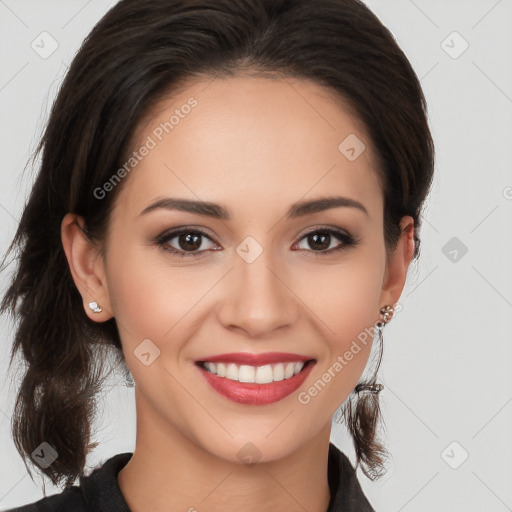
column 255, row 394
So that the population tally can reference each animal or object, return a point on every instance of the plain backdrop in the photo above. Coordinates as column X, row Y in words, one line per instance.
column 447, row 400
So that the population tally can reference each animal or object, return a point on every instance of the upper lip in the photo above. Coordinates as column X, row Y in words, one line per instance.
column 255, row 359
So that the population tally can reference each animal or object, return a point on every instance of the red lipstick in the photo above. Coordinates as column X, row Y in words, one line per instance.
column 254, row 393
column 256, row 359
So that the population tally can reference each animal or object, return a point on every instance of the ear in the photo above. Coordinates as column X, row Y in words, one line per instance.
column 86, row 266
column 398, row 263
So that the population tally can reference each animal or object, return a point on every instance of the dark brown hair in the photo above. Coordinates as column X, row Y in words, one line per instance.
column 137, row 54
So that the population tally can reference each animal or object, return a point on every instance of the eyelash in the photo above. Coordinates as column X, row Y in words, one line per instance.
column 163, row 240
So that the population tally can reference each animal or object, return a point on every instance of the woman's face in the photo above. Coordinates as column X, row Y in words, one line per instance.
column 248, row 276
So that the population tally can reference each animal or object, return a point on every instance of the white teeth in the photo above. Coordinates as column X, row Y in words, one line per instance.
column 211, row 367
column 246, row 373
column 278, row 372
column 232, row 371
column 221, row 369
column 264, row 374
column 255, row 374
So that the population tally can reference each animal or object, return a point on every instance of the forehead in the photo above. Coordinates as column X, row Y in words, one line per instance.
column 248, row 140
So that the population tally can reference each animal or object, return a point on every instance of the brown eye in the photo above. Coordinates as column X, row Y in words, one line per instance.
column 321, row 241
column 188, row 242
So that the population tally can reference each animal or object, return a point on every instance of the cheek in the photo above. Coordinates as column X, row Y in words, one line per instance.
column 343, row 297
column 344, row 300
column 151, row 301
column 148, row 297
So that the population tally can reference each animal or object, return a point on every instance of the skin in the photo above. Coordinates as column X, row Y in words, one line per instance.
column 254, row 145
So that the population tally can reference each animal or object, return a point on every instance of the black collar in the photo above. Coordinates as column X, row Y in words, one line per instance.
column 346, row 492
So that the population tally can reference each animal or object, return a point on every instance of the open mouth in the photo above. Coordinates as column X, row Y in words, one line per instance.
column 264, row 374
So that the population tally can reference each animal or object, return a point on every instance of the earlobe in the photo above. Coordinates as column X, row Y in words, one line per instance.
column 86, row 267
column 398, row 264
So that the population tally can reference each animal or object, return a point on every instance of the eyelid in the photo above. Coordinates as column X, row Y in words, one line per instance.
column 323, row 227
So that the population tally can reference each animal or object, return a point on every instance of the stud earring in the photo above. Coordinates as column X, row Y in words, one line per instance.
column 385, row 312
column 94, row 307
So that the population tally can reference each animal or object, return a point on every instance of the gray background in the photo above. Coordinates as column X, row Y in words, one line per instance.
column 446, row 368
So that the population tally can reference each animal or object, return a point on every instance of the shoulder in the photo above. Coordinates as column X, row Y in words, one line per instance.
column 97, row 492
column 69, row 499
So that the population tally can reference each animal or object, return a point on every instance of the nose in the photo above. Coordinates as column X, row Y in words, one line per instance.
column 258, row 298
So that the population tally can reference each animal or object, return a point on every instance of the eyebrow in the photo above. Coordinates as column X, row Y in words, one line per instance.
column 216, row 211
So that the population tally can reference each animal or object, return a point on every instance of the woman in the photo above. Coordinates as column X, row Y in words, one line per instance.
column 229, row 198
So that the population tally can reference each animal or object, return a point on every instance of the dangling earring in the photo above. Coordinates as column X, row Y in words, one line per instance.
column 361, row 412
column 386, row 313
column 94, row 307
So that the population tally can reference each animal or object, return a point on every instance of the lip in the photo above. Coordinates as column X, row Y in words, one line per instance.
column 255, row 359
column 252, row 393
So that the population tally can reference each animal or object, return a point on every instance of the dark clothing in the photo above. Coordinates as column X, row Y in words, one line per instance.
column 100, row 492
